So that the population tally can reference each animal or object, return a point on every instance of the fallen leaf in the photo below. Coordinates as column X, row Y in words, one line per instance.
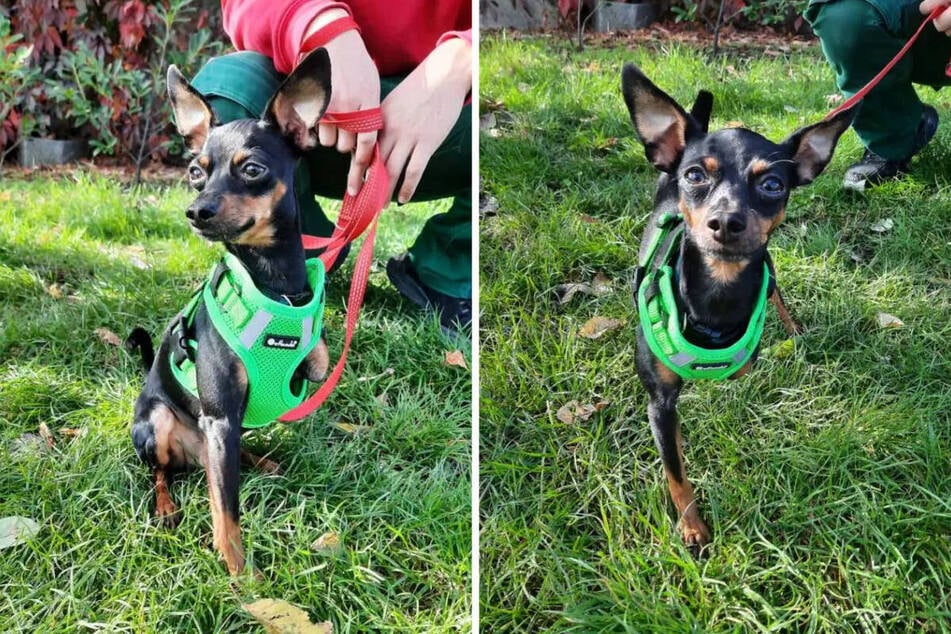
column 27, row 445
column 591, row 220
column 108, row 337
column 600, row 405
column 565, row 292
column 884, row 320
column 574, row 411
column 601, row 284
column 4, row 196
column 457, row 359
column 16, row 530
column 886, row 224
column 55, row 291
column 70, row 432
column 328, row 542
column 46, row 435
column 383, row 400
column 280, row 617
column 350, row 428
column 597, row 326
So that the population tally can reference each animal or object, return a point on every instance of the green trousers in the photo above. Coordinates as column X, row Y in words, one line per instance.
column 239, row 85
column 858, row 38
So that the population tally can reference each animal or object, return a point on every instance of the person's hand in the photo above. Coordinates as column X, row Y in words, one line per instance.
column 355, row 85
column 943, row 21
column 420, row 112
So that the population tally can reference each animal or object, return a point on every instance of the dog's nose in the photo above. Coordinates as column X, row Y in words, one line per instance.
column 200, row 212
column 726, row 226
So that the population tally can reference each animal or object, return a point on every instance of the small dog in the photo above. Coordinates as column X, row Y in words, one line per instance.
column 244, row 174
column 705, row 273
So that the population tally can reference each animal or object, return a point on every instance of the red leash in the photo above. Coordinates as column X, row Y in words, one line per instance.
column 854, row 99
column 357, row 214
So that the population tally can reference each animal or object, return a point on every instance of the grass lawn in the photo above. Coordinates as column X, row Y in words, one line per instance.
column 825, row 474
column 79, row 253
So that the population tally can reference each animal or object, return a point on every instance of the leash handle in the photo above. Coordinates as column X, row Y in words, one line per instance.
column 854, row 99
column 357, row 214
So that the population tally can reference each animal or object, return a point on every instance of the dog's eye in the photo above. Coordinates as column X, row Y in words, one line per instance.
column 196, row 176
column 252, row 170
column 772, row 186
column 695, row 176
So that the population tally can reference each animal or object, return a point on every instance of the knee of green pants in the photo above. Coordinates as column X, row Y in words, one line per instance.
column 442, row 253
column 843, row 27
column 239, row 84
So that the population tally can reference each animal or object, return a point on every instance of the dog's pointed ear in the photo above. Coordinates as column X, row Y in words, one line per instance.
column 702, row 109
column 301, row 100
column 812, row 147
column 661, row 124
column 193, row 116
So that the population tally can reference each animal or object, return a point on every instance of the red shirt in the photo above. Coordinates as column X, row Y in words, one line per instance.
column 398, row 34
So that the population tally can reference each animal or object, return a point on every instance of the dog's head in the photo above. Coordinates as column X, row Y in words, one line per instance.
column 244, row 170
column 733, row 184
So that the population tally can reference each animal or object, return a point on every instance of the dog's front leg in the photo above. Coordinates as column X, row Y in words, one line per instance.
column 222, row 468
column 663, row 387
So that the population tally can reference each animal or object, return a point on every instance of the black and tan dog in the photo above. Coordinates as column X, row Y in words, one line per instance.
column 731, row 188
column 243, row 172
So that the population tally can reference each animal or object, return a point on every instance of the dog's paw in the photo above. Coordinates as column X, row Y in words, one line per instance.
column 167, row 514
column 695, row 534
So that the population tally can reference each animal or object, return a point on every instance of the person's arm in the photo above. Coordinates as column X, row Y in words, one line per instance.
column 280, row 29
column 421, row 111
column 943, row 21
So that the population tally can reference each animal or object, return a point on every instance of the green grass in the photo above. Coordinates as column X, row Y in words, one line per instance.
column 398, row 494
column 824, row 473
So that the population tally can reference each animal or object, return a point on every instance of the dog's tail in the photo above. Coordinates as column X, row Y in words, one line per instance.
column 702, row 109
column 141, row 340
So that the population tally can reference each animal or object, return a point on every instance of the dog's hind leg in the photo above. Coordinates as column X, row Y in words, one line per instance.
column 167, row 445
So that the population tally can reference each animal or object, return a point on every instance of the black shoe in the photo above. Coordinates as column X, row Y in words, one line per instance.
column 455, row 313
column 874, row 170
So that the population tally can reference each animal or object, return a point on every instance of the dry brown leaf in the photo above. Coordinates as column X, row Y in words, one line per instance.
column 46, row 435
column 591, row 220
column 108, row 337
column 457, row 359
column 601, row 284
column 573, row 411
column 280, row 617
column 328, row 542
column 565, row 292
column 350, row 428
column 598, row 326
column 16, row 530
column 70, row 432
column 885, row 320
column 55, row 291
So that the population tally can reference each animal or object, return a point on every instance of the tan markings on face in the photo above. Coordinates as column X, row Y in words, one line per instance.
column 690, row 215
column 237, row 210
column 239, row 156
column 666, row 375
column 204, row 160
column 758, row 166
column 766, row 226
column 711, row 165
column 176, row 444
column 723, row 271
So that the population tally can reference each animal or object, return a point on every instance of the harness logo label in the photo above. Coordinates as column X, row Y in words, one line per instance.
column 710, row 366
column 281, row 341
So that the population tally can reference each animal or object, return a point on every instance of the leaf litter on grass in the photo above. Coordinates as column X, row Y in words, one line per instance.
column 15, row 530
column 597, row 326
column 280, row 617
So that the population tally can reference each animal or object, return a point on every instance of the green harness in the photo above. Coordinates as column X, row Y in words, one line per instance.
column 270, row 338
column 663, row 324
